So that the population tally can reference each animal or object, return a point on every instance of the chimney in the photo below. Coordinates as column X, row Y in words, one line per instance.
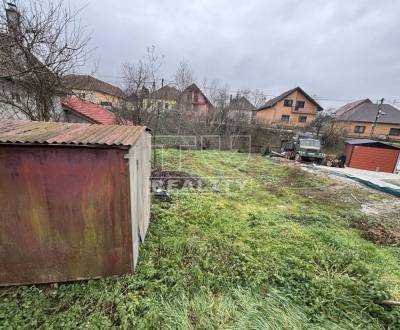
column 13, row 19
column 230, row 98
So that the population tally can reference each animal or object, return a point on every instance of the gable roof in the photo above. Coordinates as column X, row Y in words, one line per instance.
column 36, row 132
column 366, row 112
column 89, row 83
column 193, row 87
column 89, row 110
column 270, row 103
column 350, row 106
column 241, row 103
column 167, row 93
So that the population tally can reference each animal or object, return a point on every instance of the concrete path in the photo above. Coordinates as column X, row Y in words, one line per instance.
column 387, row 182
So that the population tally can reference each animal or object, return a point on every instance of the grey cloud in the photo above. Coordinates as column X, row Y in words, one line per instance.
column 333, row 49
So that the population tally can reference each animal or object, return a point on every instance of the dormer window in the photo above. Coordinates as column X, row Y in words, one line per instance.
column 288, row 103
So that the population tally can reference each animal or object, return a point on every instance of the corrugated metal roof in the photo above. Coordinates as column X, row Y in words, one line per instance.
column 371, row 143
column 22, row 131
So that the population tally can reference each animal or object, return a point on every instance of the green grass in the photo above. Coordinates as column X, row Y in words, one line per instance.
column 262, row 253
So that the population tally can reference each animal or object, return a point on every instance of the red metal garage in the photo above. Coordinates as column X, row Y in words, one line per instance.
column 371, row 155
column 74, row 200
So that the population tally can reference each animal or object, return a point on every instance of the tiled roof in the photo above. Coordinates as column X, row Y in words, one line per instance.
column 89, row 83
column 194, row 88
column 350, row 106
column 167, row 93
column 270, row 103
column 366, row 112
column 93, row 112
column 241, row 103
column 23, row 131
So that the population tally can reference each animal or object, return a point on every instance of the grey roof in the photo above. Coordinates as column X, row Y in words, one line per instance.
column 359, row 141
column 36, row 132
column 241, row 103
column 270, row 103
column 371, row 143
column 366, row 112
column 89, row 83
column 167, row 93
column 350, row 106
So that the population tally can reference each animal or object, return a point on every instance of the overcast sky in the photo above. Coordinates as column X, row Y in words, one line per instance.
column 332, row 49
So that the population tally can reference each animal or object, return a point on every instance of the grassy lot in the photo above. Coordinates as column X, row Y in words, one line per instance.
column 276, row 249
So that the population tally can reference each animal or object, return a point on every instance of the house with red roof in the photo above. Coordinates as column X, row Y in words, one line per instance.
column 76, row 110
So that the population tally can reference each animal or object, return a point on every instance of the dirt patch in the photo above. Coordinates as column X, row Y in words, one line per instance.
column 172, row 180
column 381, row 225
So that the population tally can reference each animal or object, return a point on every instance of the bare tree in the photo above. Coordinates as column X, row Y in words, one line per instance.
column 141, row 79
column 40, row 42
column 183, row 76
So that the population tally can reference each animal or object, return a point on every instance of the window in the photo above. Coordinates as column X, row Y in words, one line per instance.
column 288, row 103
column 195, row 96
column 394, row 131
column 302, row 119
column 15, row 97
column 166, row 106
column 359, row 129
column 106, row 104
column 82, row 96
column 285, row 117
column 299, row 105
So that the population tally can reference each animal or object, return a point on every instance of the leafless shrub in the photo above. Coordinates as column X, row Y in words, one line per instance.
column 41, row 41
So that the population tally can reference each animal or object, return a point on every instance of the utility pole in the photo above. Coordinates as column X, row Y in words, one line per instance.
column 378, row 114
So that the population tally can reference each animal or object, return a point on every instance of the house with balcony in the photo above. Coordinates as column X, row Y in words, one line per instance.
column 360, row 119
column 293, row 108
column 194, row 100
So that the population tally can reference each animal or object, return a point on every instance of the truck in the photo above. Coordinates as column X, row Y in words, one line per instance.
column 304, row 147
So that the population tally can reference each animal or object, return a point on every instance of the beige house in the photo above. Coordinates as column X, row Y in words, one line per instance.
column 294, row 108
column 357, row 120
column 91, row 89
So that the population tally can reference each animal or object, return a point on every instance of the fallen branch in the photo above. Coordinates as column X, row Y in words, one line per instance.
column 390, row 303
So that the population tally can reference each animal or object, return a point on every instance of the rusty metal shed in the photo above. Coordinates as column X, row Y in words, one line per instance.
column 74, row 200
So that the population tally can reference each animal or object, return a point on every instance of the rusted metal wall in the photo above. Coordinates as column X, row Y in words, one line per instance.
column 65, row 214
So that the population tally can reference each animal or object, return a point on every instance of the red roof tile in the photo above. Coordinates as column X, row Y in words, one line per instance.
column 89, row 110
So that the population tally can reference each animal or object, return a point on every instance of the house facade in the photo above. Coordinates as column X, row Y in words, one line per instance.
column 17, row 97
column 241, row 109
column 165, row 98
column 91, row 89
column 294, row 108
column 357, row 119
column 195, row 101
